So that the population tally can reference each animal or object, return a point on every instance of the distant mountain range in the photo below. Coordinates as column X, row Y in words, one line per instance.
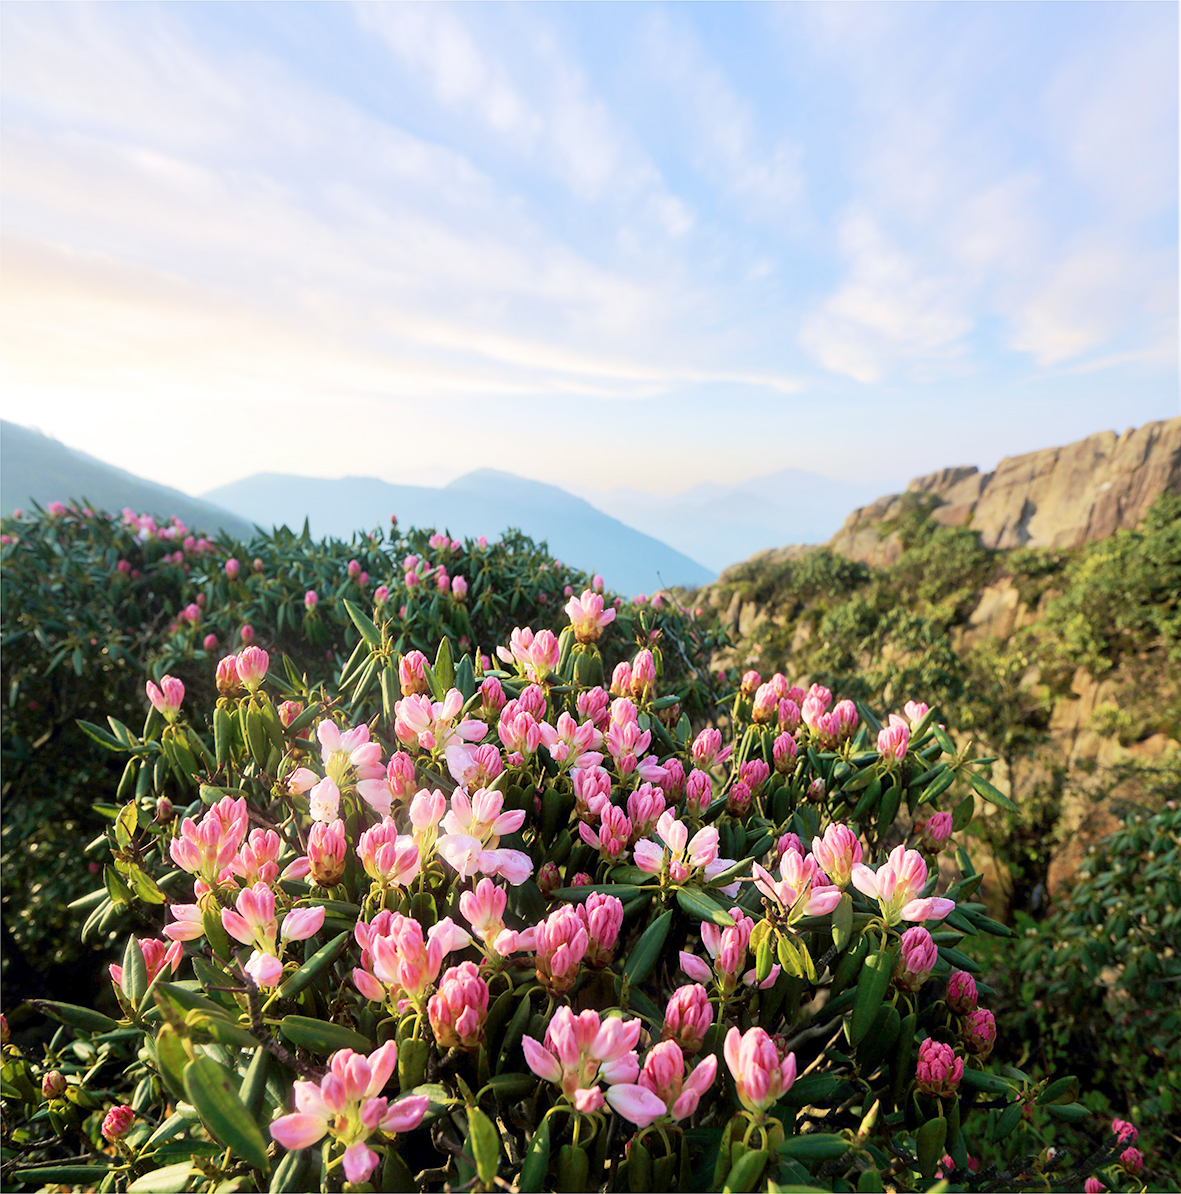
column 719, row 524
column 485, row 502
column 35, row 468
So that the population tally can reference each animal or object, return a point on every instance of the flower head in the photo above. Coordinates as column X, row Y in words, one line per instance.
column 166, row 699
column 761, row 1075
column 662, row 1088
column 579, row 1051
column 938, row 1069
column 896, row 886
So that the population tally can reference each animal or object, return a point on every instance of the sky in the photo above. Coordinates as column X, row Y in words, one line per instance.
column 597, row 245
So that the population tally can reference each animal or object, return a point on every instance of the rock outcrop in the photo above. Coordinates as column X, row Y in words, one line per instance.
column 1057, row 497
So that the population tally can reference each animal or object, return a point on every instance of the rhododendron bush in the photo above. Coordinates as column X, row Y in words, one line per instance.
column 508, row 919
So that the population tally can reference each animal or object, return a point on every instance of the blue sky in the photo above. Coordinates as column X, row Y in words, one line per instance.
column 407, row 241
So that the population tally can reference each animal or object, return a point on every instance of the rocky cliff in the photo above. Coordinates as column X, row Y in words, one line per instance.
column 1057, row 497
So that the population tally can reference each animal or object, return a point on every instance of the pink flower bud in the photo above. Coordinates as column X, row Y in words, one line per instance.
column 916, row 959
column 561, row 942
column 1125, row 1132
column 644, row 808
column 592, row 706
column 166, row 699
column 164, row 810
column 1093, row 1186
column 253, row 663
column 3, row 1027
column 492, row 696
column 914, row 712
column 117, row 1122
column 459, row 588
column 816, row 791
column 643, row 682
column 210, row 642
column 836, row 853
column 232, row 568
column 688, row 1017
column 412, row 673
column 707, row 749
column 582, row 879
column 894, row 739
column 289, row 711
column 123, row 566
column 53, row 1085
column 326, row 852
column 738, row 800
column 939, row 1070
column 784, row 752
column 621, row 679
column 698, row 793
column 1132, row 1159
column 602, row 915
column 56, row 509
column 549, row 879
column 979, row 1028
column 934, row 832
column 961, row 992
column 459, row 1008
column 311, row 599
column 750, row 683
column 442, row 581
column 765, row 707
column 761, row 1076
column 247, row 633
column 754, row 773
column 258, row 565
column 411, row 579
column 354, row 569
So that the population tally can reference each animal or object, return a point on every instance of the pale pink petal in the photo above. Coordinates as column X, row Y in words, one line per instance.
column 301, row 923
column 381, row 1065
column 865, row 880
column 359, row 1161
column 541, row 1061
column 636, row 1104
column 236, row 926
column 406, row 1114
column 822, row 901
column 932, row 908
column 298, row 1131
column 695, row 968
column 649, row 856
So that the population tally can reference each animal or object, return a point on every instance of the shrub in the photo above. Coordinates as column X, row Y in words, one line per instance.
column 373, row 949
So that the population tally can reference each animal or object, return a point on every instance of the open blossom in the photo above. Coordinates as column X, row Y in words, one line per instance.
column 800, row 890
column 483, row 908
column 662, row 1088
column 398, row 783
column 916, row 959
column 938, row 1070
column 588, row 617
column 346, row 1106
column 536, row 654
column 894, row 739
column 626, row 742
column 727, row 949
column 688, row 1017
column 472, row 831
column 399, row 961
column 914, row 712
column 579, row 1051
column 761, row 1076
column 520, row 732
column 458, row 1009
column 836, row 853
column 484, row 765
column 206, row 847
column 258, row 859
column 348, row 755
column 896, row 886
column 419, row 721
column 645, row 806
column 253, row 921
column 682, row 854
column 560, row 944
column 166, row 699
column 390, row 859
column 571, row 744
column 613, row 834
column 707, row 749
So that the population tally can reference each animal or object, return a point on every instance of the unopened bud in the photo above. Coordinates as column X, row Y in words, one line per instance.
column 118, row 1122
column 163, row 810
column 548, row 879
column 53, row 1085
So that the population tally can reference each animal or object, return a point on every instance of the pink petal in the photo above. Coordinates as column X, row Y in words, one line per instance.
column 636, row 1103
column 359, row 1161
column 932, row 908
column 588, row 1099
column 541, row 1061
column 695, row 968
column 301, row 923
column 297, row 1130
column 406, row 1114
column 865, row 880
column 381, row 1065
column 235, row 924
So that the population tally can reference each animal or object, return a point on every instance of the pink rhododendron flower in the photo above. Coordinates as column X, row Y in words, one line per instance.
column 390, row 859
column 961, row 992
column 727, row 949
column 399, row 783
column 894, row 739
column 914, row 712
column 836, row 853
column 157, row 955
column 645, row 806
column 761, row 1076
column 1132, row 1159
column 643, row 679
column 326, row 852
column 252, row 666
column 166, row 699
column 613, row 834
column 1124, row 1131
column 602, row 915
column 588, row 617
column 592, row 794
column 979, row 1031
column 699, row 793
column 707, row 749
column 117, row 1122
column 570, row 744
column 458, row 1009
column 560, row 944
column 684, row 856
column 404, row 960
column 896, row 885
column 472, row 831
column 258, row 859
column 916, row 959
column 934, row 832
column 205, row 848
column 346, row 1106
column 688, row 1017
column 938, row 1069
column 800, row 890
column 579, row 1051
column 662, row 1088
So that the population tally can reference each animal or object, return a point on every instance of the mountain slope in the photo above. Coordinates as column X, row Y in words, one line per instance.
column 485, row 502
column 35, row 468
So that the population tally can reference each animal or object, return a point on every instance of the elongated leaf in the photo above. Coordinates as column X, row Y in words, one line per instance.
column 444, row 666
column 697, row 904
column 87, row 1176
column 369, row 632
column 623, row 891
column 536, row 1161
column 320, row 961
column 319, row 1036
column 929, row 1141
column 816, row 1146
column 212, row 1092
column 135, row 972
column 872, row 984
column 169, row 1180
column 485, row 1142
column 646, row 952
column 84, row 1018
column 842, row 923
column 988, row 792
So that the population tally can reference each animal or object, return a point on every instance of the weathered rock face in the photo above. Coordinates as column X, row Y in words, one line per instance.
column 1058, row 497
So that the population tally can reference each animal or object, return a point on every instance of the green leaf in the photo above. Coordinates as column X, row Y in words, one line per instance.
column 929, row 1141
column 623, row 891
column 646, row 952
column 536, row 1162
column 369, row 632
column 944, row 739
column 125, row 824
column 746, row 1173
column 988, row 792
column 319, row 1036
column 485, row 1142
column 100, row 735
column 84, row 1018
column 320, row 961
column 86, row 1176
column 210, row 1088
column 169, row 1180
column 842, row 923
column 872, row 984
column 135, row 972
column 697, row 904
column 444, row 666
column 816, row 1146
